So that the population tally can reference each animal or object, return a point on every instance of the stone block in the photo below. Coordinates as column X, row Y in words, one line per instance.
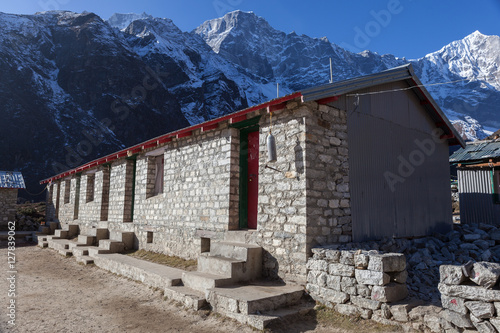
column 341, row 270
column 334, row 296
column 333, row 256
column 481, row 310
column 457, row 319
column 347, row 309
column 399, row 312
column 363, row 290
column 333, row 282
column 496, row 323
column 399, row 277
column 456, row 304
column 473, row 293
column 451, row 274
column 347, row 258
column 365, row 303
column 392, row 292
column 388, row 262
column 317, row 265
column 369, row 277
column 365, row 313
column 348, row 285
column 361, row 260
column 484, row 327
column 485, row 274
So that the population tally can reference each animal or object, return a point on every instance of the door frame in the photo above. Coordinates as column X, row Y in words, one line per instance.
column 245, row 127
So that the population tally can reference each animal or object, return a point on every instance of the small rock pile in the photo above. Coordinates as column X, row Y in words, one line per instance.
column 357, row 282
column 468, row 298
column 424, row 255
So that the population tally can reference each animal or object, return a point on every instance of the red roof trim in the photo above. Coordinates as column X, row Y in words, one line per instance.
column 212, row 124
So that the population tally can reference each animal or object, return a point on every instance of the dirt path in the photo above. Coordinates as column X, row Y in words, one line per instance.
column 55, row 294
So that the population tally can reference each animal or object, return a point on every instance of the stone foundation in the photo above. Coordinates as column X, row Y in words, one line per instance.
column 357, row 282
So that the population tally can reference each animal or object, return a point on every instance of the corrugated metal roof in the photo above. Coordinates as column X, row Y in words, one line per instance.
column 10, row 179
column 477, row 151
column 401, row 73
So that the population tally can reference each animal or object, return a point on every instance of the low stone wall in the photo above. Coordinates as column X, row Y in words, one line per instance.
column 357, row 282
column 470, row 296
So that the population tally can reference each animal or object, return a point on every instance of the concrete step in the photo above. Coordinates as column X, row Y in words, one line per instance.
column 87, row 240
column 94, row 250
column 66, row 253
column 252, row 299
column 189, row 298
column 127, row 238
column 271, row 318
column 58, row 244
column 86, row 260
column 201, row 281
column 113, row 246
column 73, row 230
column 99, row 233
column 220, row 265
column 240, row 251
column 149, row 273
column 43, row 244
column 80, row 251
column 72, row 245
column 61, row 233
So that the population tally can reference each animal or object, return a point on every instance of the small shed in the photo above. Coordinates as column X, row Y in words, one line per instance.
column 478, row 171
column 10, row 182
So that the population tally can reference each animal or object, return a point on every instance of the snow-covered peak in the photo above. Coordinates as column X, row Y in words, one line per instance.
column 474, row 58
column 122, row 21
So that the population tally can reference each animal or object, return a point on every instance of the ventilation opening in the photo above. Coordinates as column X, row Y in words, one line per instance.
column 205, row 245
column 149, row 238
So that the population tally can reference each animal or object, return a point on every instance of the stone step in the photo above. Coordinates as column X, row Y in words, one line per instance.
column 98, row 233
column 58, row 244
column 72, row 245
column 127, row 238
column 61, row 233
column 66, row 253
column 113, row 246
column 43, row 244
column 80, row 251
column 201, row 281
column 270, row 318
column 86, row 260
column 240, row 251
column 252, row 299
column 87, row 240
column 73, row 230
column 221, row 266
column 149, row 273
column 189, row 298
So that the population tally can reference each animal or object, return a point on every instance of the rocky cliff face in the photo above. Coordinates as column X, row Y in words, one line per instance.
column 83, row 87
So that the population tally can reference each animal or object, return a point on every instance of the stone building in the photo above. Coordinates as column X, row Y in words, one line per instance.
column 359, row 159
column 10, row 182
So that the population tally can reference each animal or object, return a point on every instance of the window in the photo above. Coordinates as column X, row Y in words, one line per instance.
column 90, row 187
column 149, row 237
column 156, row 166
column 67, row 190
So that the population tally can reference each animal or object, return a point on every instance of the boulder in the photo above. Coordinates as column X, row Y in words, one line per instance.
column 485, row 274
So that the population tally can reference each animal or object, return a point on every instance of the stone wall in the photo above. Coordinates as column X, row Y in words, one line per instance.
column 357, row 282
column 8, row 201
column 327, row 172
column 90, row 206
column 67, row 200
column 470, row 296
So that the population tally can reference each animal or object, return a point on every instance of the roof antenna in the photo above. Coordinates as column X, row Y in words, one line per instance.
column 331, row 71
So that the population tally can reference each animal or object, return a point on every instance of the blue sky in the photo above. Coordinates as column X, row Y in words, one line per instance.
column 405, row 28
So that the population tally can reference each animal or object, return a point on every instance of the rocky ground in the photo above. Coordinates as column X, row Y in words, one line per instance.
column 55, row 294
column 466, row 243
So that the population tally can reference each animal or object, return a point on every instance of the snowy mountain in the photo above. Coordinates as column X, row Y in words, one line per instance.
column 83, row 87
